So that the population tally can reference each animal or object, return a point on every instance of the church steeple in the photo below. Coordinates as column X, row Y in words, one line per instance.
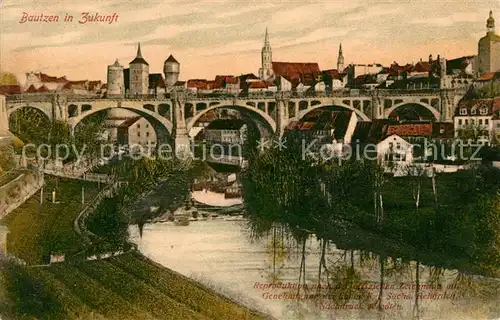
column 266, row 70
column 139, row 55
column 340, row 60
column 490, row 23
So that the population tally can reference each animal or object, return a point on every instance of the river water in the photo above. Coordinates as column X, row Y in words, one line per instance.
column 222, row 254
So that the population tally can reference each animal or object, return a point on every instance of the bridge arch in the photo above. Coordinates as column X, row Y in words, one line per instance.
column 430, row 108
column 15, row 126
column 268, row 120
column 46, row 110
column 359, row 113
column 134, row 107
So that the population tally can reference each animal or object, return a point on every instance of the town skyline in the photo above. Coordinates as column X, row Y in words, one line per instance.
column 212, row 38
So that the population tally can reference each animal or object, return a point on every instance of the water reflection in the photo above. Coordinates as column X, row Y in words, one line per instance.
column 312, row 279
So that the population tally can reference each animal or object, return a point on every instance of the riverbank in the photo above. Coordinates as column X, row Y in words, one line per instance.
column 128, row 286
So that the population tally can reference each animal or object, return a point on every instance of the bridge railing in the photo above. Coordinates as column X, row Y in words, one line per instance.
column 29, row 97
column 48, row 97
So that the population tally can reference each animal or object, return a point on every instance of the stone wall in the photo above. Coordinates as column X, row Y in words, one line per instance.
column 17, row 191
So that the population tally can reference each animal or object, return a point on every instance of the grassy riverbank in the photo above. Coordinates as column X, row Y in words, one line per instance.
column 37, row 230
column 124, row 287
column 128, row 286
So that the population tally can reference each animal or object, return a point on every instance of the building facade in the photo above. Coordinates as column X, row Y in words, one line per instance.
column 478, row 120
column 136, row 131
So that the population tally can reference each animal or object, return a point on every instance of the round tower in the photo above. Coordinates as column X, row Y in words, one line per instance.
column 171, row 69
column 116, row 83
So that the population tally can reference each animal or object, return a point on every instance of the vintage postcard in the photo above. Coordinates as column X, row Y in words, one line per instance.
column 229, row 159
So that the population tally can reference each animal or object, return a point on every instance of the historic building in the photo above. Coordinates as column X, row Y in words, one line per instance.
column 478, row 119
column 156, row 84
column 116, row 82
column 171, row 69
column 489, row 49
column 40, row 79
column 266, row 70
column 136, row 131
column 138, row 75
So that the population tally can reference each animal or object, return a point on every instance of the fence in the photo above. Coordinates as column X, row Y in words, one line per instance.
column 79, row 222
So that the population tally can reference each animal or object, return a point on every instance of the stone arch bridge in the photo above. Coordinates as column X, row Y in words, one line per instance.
column 174, row 115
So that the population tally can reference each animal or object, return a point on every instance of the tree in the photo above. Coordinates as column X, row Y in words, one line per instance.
column 7, row 78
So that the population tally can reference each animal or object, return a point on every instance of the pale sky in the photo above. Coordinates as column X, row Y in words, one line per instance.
column 212, row 37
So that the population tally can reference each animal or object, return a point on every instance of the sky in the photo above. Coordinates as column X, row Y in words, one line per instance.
column 225, row 37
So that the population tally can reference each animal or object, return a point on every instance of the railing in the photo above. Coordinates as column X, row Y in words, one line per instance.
column 48, row 97
column 79, row 222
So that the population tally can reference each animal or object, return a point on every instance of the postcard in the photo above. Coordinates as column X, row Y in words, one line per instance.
column 219, row 159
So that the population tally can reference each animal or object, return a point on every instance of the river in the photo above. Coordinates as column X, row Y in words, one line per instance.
column 222, row 254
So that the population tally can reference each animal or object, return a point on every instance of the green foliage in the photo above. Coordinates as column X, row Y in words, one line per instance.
column 158, row 182
column 460, row 226
column 7, row 78
column 33, row 127
column 30, row 296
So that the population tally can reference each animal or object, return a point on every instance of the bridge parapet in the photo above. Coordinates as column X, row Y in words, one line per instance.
column 29, row 97
column 189, row 96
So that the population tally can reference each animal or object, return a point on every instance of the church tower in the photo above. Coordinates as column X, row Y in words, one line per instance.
column 139, row 74
column 266, row 70
column 340, row 60
column 489, row 49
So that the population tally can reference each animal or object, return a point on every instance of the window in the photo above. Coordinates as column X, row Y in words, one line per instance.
column 472, row 121
column 398, row 145
column 486, row 121
column 147, row 125
column 484, row 111
column 466, row 121
column 147, row 134
column 138, row 126
column 473, row 111
column 463, row 111
column 138, row 133
column 481, row 122
column 459, row 122
column 391, row 145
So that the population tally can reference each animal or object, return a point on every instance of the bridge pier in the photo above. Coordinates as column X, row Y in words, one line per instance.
column 447, row 105
column 281, row 113
column 182, row 147
column 377, row 107
column 4, row 118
